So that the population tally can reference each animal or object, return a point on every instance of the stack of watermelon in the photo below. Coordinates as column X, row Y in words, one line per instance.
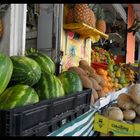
column 31, row 78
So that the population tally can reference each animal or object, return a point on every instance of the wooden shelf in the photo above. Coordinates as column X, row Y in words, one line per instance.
column 84, row 30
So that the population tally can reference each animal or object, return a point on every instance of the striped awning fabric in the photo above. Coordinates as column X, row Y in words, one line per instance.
column 81, row 126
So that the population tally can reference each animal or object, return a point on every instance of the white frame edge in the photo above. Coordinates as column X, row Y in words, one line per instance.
column 18, row 29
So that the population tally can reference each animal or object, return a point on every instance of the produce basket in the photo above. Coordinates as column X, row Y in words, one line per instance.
column 25, row 120
column 97, row 65
column 69, row 102
column 41, row 129
column 20, row 120
column 61, row 121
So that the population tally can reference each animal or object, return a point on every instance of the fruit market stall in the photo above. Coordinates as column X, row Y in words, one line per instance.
column 103, row 79
column 40, row 97
column 37, row 100
column 107, row 76
column 96, row 67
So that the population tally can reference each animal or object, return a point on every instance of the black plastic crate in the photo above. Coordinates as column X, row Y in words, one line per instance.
column 60, row 120
column 24, row 120
column 69, row 102
column 83, row 98
column 16, row 121
column 61, row 105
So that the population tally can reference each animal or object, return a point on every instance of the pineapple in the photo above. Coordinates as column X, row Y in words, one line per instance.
column 70, row 16
column 82, row 13
column 92, row 20
column 1, row 28
column 100, row 23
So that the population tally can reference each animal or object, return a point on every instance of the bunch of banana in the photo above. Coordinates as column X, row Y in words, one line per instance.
column 129, row 73
column 95, row 56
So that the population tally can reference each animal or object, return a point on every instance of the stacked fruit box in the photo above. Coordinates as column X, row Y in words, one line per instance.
column 45, row 115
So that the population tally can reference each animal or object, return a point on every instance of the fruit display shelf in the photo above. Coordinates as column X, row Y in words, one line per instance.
column 85, row 30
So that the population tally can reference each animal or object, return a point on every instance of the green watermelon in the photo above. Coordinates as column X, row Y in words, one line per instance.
column 49, row 87
column 17, row 96
column 6, row 69
column 45, row 62
column 25, row 71
column 71, row 82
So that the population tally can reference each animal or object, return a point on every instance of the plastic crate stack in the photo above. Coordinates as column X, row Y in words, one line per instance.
column 42, row 118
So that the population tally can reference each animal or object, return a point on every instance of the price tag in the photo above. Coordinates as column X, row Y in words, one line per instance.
column 120, row 128
column 100, row 124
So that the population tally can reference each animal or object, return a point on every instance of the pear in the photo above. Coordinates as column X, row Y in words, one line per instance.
column 118, row 73
column 122, row 81
column 115, row 67
column 110, row 67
